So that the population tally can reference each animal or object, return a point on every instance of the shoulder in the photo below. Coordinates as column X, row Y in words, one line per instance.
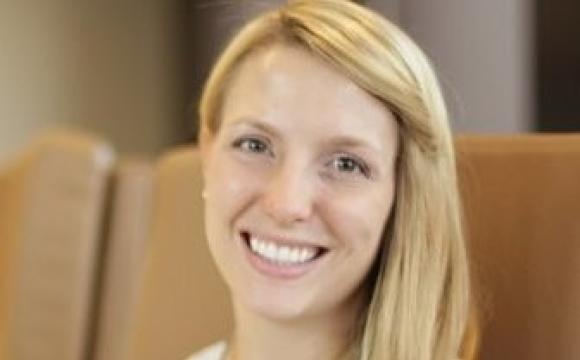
column 213, row 352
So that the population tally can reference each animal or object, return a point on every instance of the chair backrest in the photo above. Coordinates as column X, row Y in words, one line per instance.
column 183, row 302
column 51, row 208
column 522, row 205
column 124, row 257
column 522, row 201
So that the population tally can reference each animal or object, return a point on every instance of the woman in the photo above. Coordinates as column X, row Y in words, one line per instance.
column 330, row 195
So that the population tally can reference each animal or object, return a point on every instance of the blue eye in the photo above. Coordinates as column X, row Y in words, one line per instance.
column 251, row 145
column 347, row 164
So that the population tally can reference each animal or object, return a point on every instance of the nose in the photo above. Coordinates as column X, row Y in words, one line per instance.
column 288, row 196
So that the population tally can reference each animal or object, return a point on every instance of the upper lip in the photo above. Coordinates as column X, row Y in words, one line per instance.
column 282, row 239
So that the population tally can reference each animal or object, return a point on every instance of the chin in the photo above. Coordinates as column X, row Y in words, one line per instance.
column 277, row 306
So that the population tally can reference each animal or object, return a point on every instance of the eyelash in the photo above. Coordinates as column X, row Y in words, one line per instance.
column 245, row 144
column 359, row 166
column 248, row 144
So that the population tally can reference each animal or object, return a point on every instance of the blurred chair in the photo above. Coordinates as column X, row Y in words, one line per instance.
column 522, row 201
column 183, row 304
column 124, row 257
column 52, row 200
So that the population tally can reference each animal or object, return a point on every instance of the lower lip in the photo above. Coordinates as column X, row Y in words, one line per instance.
column 271, row 269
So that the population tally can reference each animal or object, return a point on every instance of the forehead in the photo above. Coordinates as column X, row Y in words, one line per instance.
column 298, row 91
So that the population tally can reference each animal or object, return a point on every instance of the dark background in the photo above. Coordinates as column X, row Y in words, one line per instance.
column 557, row 47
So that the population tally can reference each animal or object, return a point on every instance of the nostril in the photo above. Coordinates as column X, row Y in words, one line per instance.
column 288, row 201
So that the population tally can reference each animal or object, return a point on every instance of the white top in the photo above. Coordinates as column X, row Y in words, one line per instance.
column 213, row 352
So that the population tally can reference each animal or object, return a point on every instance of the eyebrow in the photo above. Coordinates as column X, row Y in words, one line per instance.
column 260, row 125
column 352, row 142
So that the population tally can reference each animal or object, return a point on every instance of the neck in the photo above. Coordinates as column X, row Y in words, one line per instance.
column 323, row 337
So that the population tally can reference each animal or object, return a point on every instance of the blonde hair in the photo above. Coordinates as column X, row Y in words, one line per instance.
column 419, row 305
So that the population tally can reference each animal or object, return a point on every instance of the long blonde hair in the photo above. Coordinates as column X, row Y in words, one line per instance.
column 419, row 305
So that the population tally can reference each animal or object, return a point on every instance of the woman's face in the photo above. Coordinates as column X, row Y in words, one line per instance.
column 300, row 182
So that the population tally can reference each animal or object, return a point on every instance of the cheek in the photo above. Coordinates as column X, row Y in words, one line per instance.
column 231, row 187
column 359, row 220
column 230, row 190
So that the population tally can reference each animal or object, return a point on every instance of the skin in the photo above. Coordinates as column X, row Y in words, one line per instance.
column 302, row 154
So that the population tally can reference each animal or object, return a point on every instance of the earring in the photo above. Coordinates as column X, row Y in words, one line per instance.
column 204, row 194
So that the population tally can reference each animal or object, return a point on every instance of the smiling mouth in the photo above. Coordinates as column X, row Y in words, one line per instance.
column 282, row 254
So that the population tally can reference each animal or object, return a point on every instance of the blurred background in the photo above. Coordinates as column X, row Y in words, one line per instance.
column 131, row 71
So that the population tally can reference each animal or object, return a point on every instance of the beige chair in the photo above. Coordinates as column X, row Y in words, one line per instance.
column 124, row 257
column 183, row 302
column 52, row 201
column 522, row 199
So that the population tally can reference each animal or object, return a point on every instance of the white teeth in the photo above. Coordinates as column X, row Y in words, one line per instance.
column 253, row 243
column 294, row 255
column 303, row 255
column 283, row 255
column 270, row 251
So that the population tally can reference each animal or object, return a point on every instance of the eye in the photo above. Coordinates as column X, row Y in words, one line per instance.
column 252, row 145
column 350, row 165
